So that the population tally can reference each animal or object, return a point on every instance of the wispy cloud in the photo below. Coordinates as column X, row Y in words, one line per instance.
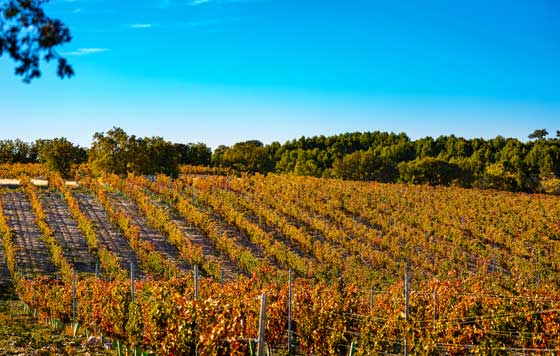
column 199, row 2
column 141, row 25
column 85, row 51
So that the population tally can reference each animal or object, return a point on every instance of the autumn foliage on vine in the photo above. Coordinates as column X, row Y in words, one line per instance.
column 483, row 268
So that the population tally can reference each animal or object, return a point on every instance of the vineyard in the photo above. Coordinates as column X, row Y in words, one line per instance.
column 285, row 264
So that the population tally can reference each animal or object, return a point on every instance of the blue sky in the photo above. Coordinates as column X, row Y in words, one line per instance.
column 223, row 71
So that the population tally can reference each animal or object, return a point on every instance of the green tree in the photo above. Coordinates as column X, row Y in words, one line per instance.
column 539, row 134
column 501, row 175
column 543, row 159
column 59, row 154
column 196, row 154
column 306, row 163
column 426, row 147
column 428, row 170
column 162, row 157
column 287, row 161
column 218, row 154
column 365, row 165
column 112, row 152
column 249, row 156
column 17, row 151
column 117, row 152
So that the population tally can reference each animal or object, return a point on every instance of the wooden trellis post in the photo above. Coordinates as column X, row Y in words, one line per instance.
column 262, row 320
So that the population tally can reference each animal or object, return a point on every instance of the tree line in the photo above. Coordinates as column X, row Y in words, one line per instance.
column 112, row 152
column 498, row 163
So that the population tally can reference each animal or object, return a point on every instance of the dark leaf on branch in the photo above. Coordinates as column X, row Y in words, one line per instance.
column 27, row 34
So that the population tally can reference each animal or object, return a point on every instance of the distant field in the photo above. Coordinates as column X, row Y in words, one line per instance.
column 483, row 272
